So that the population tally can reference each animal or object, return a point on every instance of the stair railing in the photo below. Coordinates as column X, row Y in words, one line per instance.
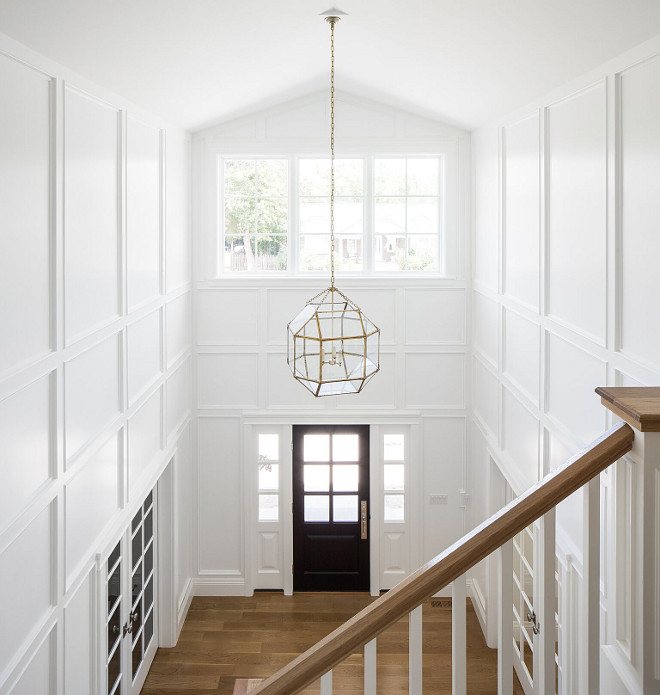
column 450, row 566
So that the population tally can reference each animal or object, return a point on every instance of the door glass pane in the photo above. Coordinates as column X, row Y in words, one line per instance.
column 136, row 583
column 393, row 507
column 317, row 478
column 114, row 587
column 114, row 628
column 136, row 548
column 148, row 630
column 137, row 656
column 345, row 447
column 269, row 476
column 148, row 561
column 345, row 507
column 149, row 595
column 113, row 669
column 316, row 447
column 136, row 520
column 317, row 508
column 345, row 478
column 393, row 476
column 148, row 526
column 268, row 507
column 269, row 447
column 393, row 447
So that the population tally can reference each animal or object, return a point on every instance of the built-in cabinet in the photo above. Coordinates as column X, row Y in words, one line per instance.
column 129, row 605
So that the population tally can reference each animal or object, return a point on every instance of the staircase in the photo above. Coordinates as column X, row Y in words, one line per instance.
column 641, row 674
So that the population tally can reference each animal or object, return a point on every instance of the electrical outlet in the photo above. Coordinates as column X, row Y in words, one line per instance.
column 438, row 499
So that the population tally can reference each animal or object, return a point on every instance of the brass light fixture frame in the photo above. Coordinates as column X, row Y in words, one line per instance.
column 332, row 347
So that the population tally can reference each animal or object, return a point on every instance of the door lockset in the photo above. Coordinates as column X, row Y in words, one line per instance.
column 363, row 520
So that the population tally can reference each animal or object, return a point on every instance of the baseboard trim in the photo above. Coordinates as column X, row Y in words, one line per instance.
column 220, row 586
column 184, row 605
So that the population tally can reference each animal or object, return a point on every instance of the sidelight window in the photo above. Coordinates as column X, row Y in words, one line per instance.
column 269, row 477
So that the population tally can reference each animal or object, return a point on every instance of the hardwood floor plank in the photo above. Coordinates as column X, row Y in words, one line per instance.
column 230, row 638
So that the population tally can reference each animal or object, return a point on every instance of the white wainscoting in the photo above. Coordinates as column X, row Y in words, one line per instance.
column 89, row 224
column 569, row 178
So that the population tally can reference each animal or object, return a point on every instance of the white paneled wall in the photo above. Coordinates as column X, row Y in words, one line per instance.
column 241, row 373
column 565, row 291
column 94, row 358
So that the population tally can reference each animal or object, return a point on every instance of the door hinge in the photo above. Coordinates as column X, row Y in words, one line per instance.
column 291, row 569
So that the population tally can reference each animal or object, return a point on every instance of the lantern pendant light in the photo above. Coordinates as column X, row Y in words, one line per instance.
column 333, row 348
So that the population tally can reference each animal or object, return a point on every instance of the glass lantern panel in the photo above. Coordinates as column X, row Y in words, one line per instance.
column 393, row 447
column 373, row 352
column 345, row 447
column 269, row 447
column 345, row 508
column 269, row 476
column 316, row 478
column 307, row 359
column 303, row 316
column 268, row 507
column 394, row 476
column 393, row 508
column 337, row 388
column 317, row 508
column 316, row 447
column 345, row 478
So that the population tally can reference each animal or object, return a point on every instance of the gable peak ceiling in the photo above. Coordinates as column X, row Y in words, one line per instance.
column 197, row 62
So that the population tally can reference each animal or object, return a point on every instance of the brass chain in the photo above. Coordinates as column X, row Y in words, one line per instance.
column 332, row 150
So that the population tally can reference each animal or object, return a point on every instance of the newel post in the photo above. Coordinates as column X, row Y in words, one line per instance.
column 632, row 655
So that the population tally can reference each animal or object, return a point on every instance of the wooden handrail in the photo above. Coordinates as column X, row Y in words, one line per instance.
column 450, row 564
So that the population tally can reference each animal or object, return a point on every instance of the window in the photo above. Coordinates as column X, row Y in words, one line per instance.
column 314, row 215
column 389, row 215
column 255, row 214
column 407, row 219
column 394, row 478
column 269, row 477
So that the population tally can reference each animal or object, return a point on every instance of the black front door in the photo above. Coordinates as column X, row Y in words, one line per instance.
column 331, row 508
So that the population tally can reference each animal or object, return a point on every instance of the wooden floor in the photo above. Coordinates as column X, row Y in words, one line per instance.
column 228, row 638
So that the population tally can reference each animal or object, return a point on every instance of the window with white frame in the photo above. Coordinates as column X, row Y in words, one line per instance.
column 394, row 477
column 269, row 477
column 390, row 215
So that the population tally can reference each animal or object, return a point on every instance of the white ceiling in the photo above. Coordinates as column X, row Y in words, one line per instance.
column 195, row 62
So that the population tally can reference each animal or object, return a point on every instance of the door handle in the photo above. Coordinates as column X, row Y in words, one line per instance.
column 364, row 534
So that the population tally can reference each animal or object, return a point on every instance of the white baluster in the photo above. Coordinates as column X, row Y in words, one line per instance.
column 370, row 668
column 544, row 642
column 326, row 683
column 505, row 619
column 458, row 637
column 590, row 648
column 415, row 651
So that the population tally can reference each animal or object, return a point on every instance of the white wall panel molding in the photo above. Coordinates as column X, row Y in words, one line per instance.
column 33, row 594
column 144, row 354
column 92, row 161
column 27, row 185
column 35, row 671
column 231, row 317
column 576, row 213
column 521, row 354
column 486, row 328
column 520, row 209
column 435, row 380
column 435, row 317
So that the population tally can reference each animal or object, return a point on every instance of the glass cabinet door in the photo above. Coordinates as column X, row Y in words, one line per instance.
column 130, row 618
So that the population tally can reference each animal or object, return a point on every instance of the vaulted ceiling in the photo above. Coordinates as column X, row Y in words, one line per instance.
column 195, row 62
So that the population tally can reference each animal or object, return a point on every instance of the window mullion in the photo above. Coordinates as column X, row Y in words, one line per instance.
column 293, row 217
column 368, row 225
